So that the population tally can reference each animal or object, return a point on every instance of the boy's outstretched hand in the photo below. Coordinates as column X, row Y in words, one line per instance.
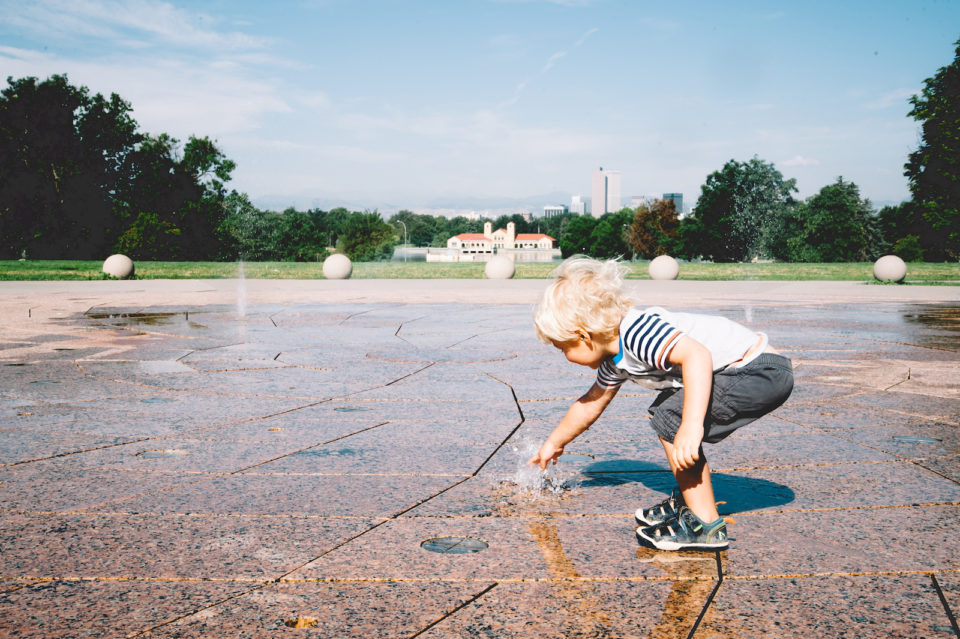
column 547, row 452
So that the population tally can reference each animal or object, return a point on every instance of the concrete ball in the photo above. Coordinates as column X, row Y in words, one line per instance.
column 664, row 267
column 890, row 268
column 119, row 266
column 500, row 267
column 337, row 267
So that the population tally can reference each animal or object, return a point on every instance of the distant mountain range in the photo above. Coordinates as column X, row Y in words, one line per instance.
column 532, row 203
column 448, row 206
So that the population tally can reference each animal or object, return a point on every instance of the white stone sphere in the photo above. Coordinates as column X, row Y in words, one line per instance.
column 337, row 267
column 664, row 267
column 119, row 266
column 500, row 267
column 890, row 268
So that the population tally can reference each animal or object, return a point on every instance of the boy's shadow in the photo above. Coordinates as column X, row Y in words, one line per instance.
column 741, row 493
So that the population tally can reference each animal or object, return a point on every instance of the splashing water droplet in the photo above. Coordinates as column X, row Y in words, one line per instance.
column 531, row 482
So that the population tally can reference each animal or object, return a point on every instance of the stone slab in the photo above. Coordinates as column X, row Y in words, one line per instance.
column 78, row 546
column 869, row 606
column 101, row 609
column 844, row 541
column 338, row 609
column 369, row 495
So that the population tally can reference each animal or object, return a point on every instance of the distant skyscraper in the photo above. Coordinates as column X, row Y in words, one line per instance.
column 577, row 205
column 677, row 200
column 606, row 192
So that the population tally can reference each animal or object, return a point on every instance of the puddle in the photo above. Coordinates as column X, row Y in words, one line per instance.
column 454, row 545
column 161, row 452
column 944, row 322
column 156, row 400
column 327, row 452
column 915, row 439
column 45, row 381
column 351, row 409
column 149, row 319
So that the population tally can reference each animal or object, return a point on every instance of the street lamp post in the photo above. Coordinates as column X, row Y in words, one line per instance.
column 404, row 240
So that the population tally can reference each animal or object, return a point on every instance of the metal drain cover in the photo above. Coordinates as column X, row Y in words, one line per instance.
column 454, row 545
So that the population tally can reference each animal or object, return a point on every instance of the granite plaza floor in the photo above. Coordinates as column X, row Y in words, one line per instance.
column 229, row 459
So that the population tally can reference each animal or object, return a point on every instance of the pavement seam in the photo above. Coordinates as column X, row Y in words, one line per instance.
column 946, row 606
column 282, row 578
column 460, row 580
column 713, row 593
column 455, row 610
column 899, row 457
column 553, row 515
column 219, row 475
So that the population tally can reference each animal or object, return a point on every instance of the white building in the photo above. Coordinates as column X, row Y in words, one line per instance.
column 606, row 192
column 552, row 210
column 577, row 205
column 482, row 246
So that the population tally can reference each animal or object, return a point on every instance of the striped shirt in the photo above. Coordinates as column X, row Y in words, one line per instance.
column 647, row 337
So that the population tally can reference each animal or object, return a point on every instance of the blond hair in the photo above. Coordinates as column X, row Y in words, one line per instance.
column 586, row 294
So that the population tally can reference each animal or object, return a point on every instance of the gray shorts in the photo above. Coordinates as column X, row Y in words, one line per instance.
column 739, row 396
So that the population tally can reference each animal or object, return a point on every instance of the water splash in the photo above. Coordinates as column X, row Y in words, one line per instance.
column 241, row 290
column 748, row 313
column 530, row 483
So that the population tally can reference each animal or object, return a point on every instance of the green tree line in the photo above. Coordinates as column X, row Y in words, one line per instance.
column 80, row 180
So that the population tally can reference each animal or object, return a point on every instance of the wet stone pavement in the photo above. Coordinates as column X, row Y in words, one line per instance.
column 356, row 470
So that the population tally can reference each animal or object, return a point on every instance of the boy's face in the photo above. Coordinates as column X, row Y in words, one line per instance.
column 584, row 351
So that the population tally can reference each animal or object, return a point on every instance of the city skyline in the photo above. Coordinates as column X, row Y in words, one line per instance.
column 495, row 104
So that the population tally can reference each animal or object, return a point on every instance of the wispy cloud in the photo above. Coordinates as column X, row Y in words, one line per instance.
column 799, row 160
column 209, row 99
column 550, row 63
column 128, row 23
column 584, row 37
column 553, row 60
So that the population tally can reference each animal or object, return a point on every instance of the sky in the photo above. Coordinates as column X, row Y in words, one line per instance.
column 473, row 104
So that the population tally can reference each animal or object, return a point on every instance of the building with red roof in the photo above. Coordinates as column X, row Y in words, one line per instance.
column 491, row 241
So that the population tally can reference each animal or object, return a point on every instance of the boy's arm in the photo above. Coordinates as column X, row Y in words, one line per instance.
column 579, row 417
column 696, row 366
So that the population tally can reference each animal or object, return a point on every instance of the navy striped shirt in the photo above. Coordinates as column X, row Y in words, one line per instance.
column 648, row 336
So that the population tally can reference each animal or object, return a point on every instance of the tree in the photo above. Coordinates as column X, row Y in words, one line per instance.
column 933, row 170
column 654, row 229
column 78, row 180
column 63, row 154
column 836, row 225
column 246, row 232
column 735, row 205
column 576, row 236
column 181, row 194
column 366, row 237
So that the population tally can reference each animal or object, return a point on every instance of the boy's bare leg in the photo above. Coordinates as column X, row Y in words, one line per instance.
column 694, row 483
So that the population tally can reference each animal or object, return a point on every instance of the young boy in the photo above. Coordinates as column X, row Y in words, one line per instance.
column 714, row 376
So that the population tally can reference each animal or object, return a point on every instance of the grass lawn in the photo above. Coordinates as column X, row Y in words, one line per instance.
column 917, row 272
